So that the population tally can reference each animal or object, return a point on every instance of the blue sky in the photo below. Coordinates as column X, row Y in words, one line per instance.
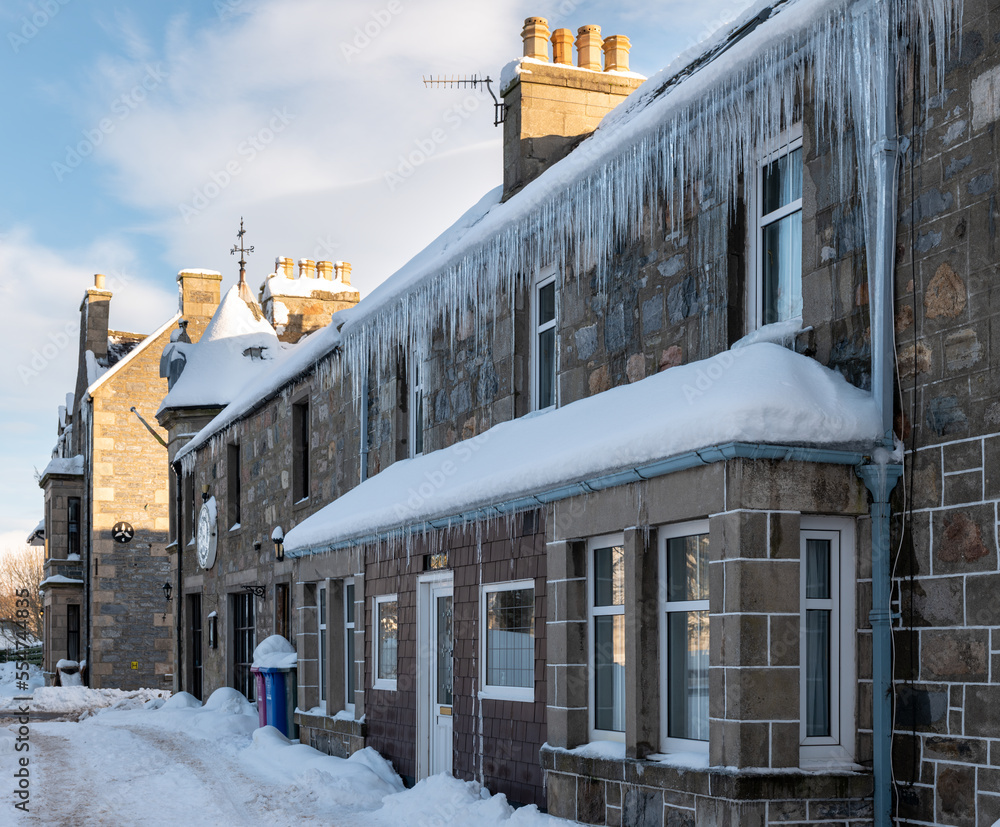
column 122, row 119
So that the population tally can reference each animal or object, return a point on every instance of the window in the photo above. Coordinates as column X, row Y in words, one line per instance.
column 543, row 343
column 607, row 637
column 322, row 645
column 776, row 289
column 73, row 632
column 195, row 663
column 386, row 642
column 73, row 527
column 507, row 617
column 243, row 643
column 234, row 485
column 827, row 640
column 282, row 611
column 349, row 665
column 684, row 632
column 416, row 405
column 300, row 451
column 191, row 523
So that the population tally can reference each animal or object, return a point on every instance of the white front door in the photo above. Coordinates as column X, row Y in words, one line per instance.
column 442, row 634
column 434, row 674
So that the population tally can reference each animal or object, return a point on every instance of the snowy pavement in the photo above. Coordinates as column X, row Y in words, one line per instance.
column 176, row 762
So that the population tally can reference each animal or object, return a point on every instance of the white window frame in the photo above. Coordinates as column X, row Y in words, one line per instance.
column 493, row 691
column 322, row 640
column 593, row 611
column 544, row 279
column 787, row 143
column 415, row 382
column 840, row 745
column 377, row 682
column 665, row 533
column 349, row 665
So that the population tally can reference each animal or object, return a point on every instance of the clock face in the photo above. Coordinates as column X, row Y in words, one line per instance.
column 122, row 532
column 207, row 536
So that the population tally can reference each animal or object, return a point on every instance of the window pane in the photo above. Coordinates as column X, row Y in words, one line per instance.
column 782, row 181
column 609, row 669
column 687, row 654
column 418, row 422
column 687, row 568
column 322, row 664
column 387, row 640
column 817, row 673
column 546, row 367
column 349, row 601
column 349, row 657
column 510, row 638
column 782, row 268
column 609, row 576
column 444, row 661
column 547, row 303
column 818, row 569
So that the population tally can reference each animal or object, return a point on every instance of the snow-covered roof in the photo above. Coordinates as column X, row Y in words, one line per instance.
column 236, row 347
column 70, row 466
column 37, row 536
column 59, row 580
column 272, row 377
column 758, row 393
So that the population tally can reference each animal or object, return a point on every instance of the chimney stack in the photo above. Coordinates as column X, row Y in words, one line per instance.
column 562, row 47
column 588, row 48
column 536, row 38
column 325, row 270
column 307, row 268
column 616, row 49
column 199, row 299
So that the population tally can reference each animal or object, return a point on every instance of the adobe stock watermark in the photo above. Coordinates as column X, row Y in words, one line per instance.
column 225, row 9
column 121, row 107
column 42, row 14
column 65, row 336
column 425, row 148
column 248, row 150
column 364, row 35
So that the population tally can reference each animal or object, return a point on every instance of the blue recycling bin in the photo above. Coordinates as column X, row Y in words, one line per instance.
column 276, row 697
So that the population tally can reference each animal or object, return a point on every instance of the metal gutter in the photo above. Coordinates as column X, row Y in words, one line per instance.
column 681, row 462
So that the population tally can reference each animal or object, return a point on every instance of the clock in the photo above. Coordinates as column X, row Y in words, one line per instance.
column 208, row 534
column 122, row 532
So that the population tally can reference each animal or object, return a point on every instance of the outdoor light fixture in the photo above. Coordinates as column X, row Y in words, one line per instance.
column 168, row 590
column 278, row 536
column 204, row 493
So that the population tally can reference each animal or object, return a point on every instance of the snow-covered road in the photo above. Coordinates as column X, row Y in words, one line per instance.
column 150, row 762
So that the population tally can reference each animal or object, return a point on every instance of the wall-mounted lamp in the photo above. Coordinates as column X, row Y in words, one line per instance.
column 278, row 536
column 204, row 493
column 168, row 590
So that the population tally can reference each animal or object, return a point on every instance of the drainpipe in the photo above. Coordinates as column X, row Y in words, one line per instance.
column 179, row 585
column 881, row 477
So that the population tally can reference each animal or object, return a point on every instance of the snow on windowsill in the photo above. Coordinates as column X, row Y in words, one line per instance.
column 59, row 578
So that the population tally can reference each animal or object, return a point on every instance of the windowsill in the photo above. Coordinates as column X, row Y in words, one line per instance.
column 516, row 694
column 298, row 505
column 385, row 685
column 236, row 528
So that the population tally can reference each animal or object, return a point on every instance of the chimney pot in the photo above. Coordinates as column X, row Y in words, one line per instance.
column 325, row 269
column 344, row 272
column 286, row 265
column 536, row 38
column 616, row 49
column 99, row 281
column 588, row 48
column 307, row 268
column 562, row 47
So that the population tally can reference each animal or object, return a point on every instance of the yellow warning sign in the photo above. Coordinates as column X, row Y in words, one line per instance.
column 135, row 664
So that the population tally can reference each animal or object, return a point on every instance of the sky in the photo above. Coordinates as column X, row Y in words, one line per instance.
column 136, row 135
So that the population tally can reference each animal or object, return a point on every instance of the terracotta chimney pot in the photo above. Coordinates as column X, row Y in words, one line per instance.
column 307, row 268
column 536, row 38
column 616, row 49
column 325, row 270
column 588, row 48
column 562, row 47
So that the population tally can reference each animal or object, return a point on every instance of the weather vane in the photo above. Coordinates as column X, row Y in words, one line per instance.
column 243, row 251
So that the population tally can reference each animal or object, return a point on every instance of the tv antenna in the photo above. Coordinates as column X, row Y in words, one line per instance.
column 456, row 82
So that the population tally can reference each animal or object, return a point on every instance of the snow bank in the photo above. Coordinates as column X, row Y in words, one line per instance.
column 758, row 393
column 9, row 679
column 274, row 652
column 71, row 699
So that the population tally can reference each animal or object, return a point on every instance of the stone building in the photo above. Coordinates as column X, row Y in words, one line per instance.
column 107, row 494
column 614, row 498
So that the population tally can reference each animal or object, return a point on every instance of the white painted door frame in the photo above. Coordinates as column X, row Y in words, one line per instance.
column 427, row 585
